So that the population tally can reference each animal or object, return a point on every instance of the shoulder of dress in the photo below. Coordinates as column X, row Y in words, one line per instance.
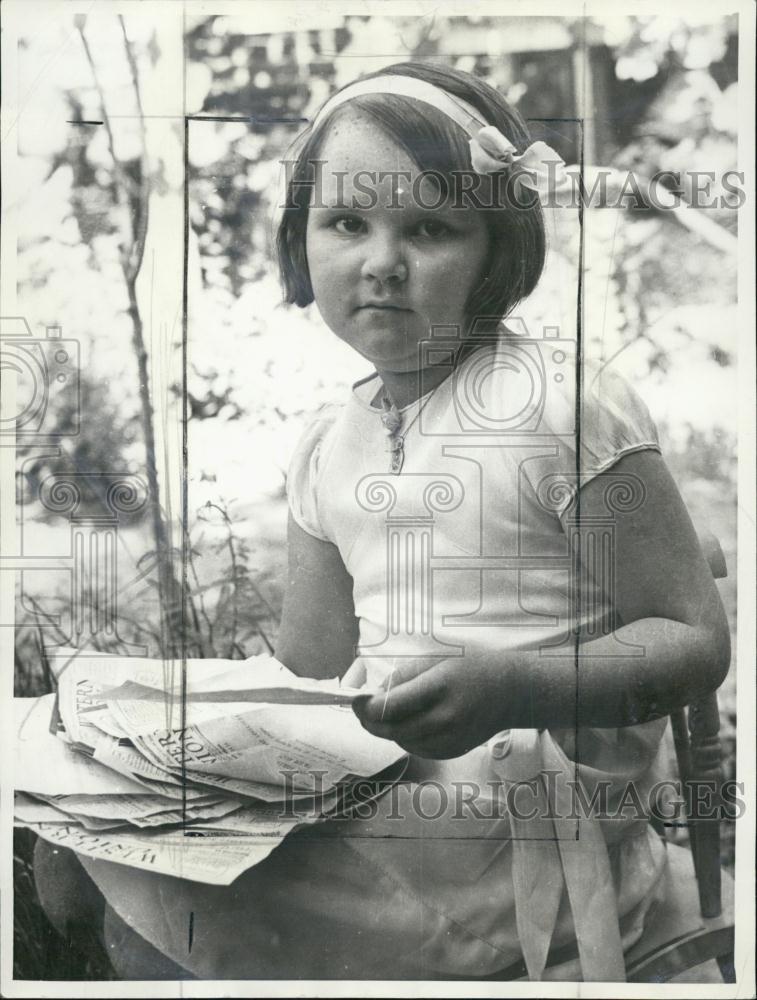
column 317, row 426
column 319, row 422
column 327, row 413
column 596, row 395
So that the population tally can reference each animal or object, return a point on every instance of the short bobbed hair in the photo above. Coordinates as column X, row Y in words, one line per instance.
column 517, row 243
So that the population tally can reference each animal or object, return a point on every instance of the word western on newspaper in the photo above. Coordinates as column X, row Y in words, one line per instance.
column 198, row 773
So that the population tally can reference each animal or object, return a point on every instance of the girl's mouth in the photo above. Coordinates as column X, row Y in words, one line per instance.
column 383, row 307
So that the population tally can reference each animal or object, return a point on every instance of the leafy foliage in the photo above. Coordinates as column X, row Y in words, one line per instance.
column 109, row 443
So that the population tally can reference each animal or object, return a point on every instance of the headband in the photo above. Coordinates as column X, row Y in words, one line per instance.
column 464, row 114
column 491, row 151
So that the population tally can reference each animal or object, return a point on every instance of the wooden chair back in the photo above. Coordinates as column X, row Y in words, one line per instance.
column 697, row 742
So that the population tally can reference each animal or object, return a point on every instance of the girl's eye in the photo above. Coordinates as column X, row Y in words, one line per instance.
column 432, row 229
column 347, row 225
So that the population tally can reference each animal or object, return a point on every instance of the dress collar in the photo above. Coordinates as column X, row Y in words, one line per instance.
column 368, row 388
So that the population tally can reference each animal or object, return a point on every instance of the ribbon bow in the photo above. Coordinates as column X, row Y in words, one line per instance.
column 491, row 152
column 548, row 855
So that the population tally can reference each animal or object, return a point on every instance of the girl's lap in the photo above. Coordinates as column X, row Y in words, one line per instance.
column 327, row 905
column 317, row 908
column 132, row 957
column 291, row 917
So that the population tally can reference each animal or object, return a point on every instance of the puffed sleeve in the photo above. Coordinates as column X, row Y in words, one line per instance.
column 611, row 421
column 304, row 472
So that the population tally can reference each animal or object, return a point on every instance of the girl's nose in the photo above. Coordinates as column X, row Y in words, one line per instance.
column 384, row 260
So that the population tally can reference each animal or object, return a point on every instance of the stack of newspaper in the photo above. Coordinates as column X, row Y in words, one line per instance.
column 196, row 770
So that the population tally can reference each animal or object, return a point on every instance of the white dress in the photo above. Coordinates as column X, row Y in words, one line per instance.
column 468, row 545
column 489, row 473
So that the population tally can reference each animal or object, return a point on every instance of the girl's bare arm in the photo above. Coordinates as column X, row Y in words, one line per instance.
column 671, row 612
column 318, row 630
column 668, row 603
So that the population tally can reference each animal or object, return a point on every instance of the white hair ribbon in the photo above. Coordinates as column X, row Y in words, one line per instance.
column 464, row 114
column 491, row 151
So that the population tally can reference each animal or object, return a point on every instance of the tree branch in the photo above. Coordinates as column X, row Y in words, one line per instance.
column 139, row 231
column 131, row 261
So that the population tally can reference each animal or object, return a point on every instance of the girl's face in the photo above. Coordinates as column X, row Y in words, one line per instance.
column 385, row 273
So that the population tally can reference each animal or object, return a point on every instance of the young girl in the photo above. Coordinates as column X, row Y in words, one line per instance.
column 518, row 573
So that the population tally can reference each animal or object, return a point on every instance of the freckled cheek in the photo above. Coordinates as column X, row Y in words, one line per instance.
column 443, row 290
column 332, row 275
column 331, row 264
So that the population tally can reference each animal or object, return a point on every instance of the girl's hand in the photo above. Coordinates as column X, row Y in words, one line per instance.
column 439, row 711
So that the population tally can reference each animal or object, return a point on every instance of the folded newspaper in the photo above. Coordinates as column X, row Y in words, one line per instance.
column 197, row 770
